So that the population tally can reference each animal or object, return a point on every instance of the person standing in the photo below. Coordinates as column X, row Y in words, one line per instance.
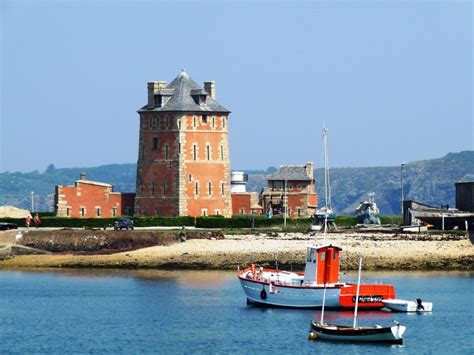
column 28, row 221
column 37, row 220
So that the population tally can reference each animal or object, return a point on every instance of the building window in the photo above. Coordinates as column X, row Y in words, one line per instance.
column 213, row 122
column 149, row 122
column 143, row 151
column 194, row 121
column 224, row 119
column 68, row 212
column 179, row 149
column 97, row 211
column 157, row 211
column 82, row 211
column 299, row 212
column 204, row 119
column 165, row 187
column 114, row 211
column 204, row 212
column 222, row 152
column 179, row 124
column 142, row 188
column 155, row 143
column 158, row 122
column 167, row 121
column 145, row 211
column 242, row 211
column 190, row 177
column 209, row 188
column 196, row 188
column 222, row 188
column 166, row 152
column 194, row 151
column 218, row 212
column 153, row 186
column 208, row 152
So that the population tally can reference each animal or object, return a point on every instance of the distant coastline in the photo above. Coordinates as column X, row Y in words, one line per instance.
column 380, row 252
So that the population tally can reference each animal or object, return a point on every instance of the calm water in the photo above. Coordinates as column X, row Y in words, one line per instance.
column 189, row 312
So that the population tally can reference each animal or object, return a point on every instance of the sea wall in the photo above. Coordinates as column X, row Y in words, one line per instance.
column 105, row 241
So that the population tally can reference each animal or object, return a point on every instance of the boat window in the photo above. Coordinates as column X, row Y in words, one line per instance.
column 334, row 255
column 322, row 256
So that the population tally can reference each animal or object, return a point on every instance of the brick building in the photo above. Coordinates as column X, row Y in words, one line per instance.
column 91, row 199
column 296, row 183
column 183, row 165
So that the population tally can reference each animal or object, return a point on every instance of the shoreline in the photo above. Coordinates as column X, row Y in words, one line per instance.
column 380, row 252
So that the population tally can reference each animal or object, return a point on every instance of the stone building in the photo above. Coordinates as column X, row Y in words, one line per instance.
column 296, row 184
column 91, row 199
column 183, row 165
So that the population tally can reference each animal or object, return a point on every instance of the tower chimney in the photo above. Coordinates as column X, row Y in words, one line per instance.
column 210, row 87
column 310, row 169
column 153, row 87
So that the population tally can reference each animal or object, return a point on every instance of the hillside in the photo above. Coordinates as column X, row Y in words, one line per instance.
column 430, row 181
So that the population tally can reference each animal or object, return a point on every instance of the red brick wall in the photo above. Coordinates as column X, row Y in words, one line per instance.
column 85, row 199
column 241, row 203
column 181, row 171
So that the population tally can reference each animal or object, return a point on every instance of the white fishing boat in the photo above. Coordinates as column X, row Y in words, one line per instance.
column 274, row 287
column 398, row 305
column 377, row 333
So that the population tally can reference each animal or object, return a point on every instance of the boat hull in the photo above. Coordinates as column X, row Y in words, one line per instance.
column 341, row 296
column 407, row 306
column 388, row 335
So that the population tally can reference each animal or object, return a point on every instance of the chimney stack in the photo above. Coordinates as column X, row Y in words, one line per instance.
column 153, row 87
column 310, row 169
column 210, row 87
column 82, row 176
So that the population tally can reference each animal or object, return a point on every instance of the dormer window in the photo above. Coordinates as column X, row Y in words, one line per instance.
column 202, row 99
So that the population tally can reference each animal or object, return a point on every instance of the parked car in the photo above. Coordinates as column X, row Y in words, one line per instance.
column 123, row 223
column 6, row 226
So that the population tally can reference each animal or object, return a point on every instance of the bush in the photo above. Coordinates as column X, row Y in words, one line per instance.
column 62, row 222
column 245, row 221
column 391, row 219
column 346, row 221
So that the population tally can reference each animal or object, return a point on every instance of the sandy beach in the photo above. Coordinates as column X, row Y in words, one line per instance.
column 380, row 251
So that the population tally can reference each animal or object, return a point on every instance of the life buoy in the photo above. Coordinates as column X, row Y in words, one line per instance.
column 263, row 294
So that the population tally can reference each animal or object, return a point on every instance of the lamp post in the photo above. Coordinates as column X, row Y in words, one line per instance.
column 401, row 187
column 32, row 201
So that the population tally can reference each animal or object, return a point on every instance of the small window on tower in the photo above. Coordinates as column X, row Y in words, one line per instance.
column 190, row 177
column 167, row 152
column 167, row 121
column 194, row 121
column 194, row 152
column 196, row 188
column 222, row 188
column 155, row 143
column 208, row 152
column 204, row 119
column 209, row 188
column 213, row 122
column 97, row 211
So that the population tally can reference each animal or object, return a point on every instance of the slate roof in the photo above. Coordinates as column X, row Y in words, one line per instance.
column 180, row 90
column 291, row 172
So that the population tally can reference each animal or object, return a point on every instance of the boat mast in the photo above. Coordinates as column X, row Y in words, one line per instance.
column 327, row 186
column 324, row 303
column 357, row 293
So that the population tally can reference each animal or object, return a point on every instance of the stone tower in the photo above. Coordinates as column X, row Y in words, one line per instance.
column 183, row 164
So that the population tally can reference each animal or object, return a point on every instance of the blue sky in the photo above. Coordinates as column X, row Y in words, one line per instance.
column 392, row 80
